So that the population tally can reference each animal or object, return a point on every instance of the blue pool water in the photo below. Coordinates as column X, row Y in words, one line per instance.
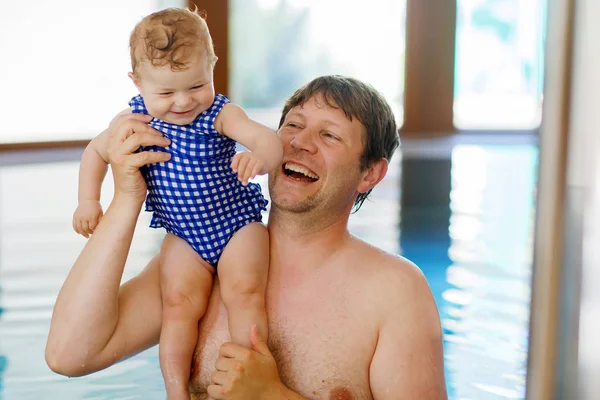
column 476, row 252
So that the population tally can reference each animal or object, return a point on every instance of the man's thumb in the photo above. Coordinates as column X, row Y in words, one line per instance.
column 257, row 342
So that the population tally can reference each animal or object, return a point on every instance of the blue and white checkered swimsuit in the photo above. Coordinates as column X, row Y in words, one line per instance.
column 196, row 195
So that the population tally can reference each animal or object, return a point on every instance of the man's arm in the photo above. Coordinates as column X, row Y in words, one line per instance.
column 96, row 322
column 408, row 362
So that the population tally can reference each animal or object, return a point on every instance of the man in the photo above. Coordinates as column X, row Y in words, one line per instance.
column 346, row 320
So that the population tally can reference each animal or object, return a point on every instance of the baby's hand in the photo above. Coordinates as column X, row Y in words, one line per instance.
column 86, row 217
column 247, row 165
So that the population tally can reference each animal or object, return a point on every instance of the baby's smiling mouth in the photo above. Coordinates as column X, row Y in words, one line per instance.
column 181, row 112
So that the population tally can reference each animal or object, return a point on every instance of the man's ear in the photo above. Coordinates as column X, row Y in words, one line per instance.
column 373, row 175
column 134, row 80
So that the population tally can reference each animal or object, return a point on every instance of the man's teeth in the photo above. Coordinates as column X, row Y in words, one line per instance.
column 301, row 170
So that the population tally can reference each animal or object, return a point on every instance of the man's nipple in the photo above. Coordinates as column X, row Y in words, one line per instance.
column 340, row 393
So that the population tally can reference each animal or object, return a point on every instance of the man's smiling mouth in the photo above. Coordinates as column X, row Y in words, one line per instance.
column 299, row 172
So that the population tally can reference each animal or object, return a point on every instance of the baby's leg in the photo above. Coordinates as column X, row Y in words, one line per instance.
column 243, row 270
column 185, row 283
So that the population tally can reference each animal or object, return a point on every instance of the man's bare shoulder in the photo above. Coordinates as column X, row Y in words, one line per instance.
column 401, row 287
column 409, row 353
column 387, row 268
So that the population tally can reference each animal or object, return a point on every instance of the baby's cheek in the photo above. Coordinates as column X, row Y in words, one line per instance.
column 156, row 107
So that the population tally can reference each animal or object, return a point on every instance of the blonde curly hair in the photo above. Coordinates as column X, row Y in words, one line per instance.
column 173, row 36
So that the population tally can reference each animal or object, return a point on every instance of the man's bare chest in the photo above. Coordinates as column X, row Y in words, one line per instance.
column 317, row 361
column 322, row 348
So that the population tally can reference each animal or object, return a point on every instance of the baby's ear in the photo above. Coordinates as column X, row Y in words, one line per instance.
column 133, row 79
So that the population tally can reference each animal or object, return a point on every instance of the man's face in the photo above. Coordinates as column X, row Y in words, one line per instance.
column 321, row 154
column 177, row 97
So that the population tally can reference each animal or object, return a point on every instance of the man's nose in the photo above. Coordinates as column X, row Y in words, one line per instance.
column 304, row 140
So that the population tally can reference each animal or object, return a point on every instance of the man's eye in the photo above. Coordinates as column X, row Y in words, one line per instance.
column 292, row 125
column 330, row 136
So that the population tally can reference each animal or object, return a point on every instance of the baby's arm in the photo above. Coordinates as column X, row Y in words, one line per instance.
column 92, row 170
column 265, row 147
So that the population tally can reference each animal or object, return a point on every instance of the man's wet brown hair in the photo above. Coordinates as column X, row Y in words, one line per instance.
column 357, row 100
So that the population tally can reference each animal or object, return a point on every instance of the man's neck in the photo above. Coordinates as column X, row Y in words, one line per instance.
column 305, row 238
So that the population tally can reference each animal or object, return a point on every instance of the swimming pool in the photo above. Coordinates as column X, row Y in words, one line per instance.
column 476, row 254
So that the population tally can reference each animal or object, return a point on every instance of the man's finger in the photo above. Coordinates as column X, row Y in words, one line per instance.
column 232, row 350
column 219, row 377
column 128, row 115
column 128, row 128
column 224, row 364
column 143, row 138
column 144, row 118
column 140, row 117
column 133, row 142
column 215, row 392
column 148, row 157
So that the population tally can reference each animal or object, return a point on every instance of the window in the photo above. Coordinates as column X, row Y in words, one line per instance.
column 65, row 66
column 499, row 64
column 278, row 45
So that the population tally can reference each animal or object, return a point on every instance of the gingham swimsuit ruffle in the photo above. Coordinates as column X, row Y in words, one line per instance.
column 196, row 195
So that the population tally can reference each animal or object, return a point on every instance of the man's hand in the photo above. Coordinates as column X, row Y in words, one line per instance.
column 247, row 165
column 127, row 132
column 86, row 217
column 245, row 374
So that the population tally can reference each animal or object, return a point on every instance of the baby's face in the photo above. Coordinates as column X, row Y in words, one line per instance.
column 177, row 97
